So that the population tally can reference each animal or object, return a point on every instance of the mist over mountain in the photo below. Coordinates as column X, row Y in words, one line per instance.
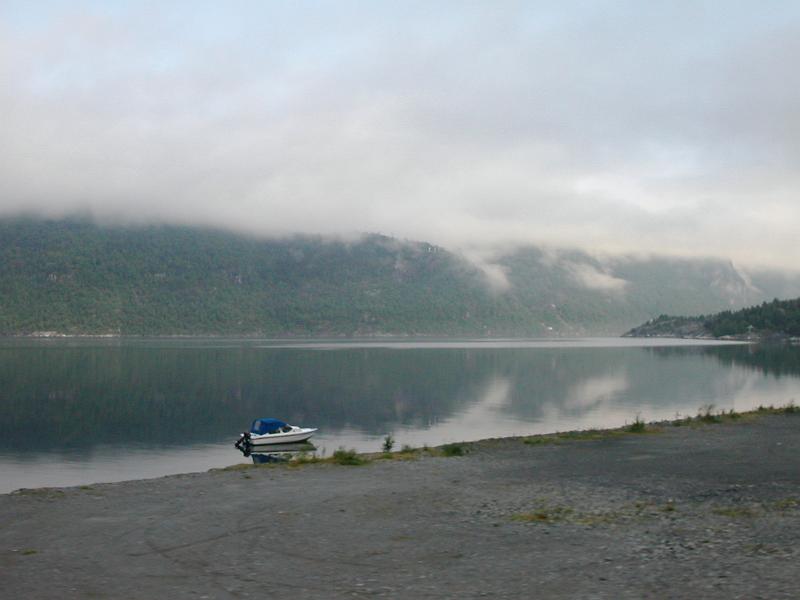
column 615, row 125
column 78, row 277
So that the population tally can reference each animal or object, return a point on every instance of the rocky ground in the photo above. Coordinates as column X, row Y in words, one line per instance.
column 700, row 511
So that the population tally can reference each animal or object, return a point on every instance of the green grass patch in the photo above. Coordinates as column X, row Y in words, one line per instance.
column 786, row 504
column 705, row 414
column 348, row 458
column 587, row 434
column 405, row 453
column 735, row 512
column 744, row 512
column 305, row 459
column 790, row 408
column 552, row 514
column 28, row 552
column 638, row 426
column 571, row 436
column 541, row 440
column 453, row 450
column 625, row 513
column 46, row 492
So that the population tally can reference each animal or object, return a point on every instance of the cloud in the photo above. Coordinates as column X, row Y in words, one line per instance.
column 592, row 278
column 495, row 274
column 611, row 126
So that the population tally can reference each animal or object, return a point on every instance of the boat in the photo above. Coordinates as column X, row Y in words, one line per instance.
column 273, row 431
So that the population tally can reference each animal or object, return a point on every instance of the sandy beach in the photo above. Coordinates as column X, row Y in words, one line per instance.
column 700, row 511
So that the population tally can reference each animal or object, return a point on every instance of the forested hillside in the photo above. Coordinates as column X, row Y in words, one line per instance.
column 76, row 277
column 779, row 318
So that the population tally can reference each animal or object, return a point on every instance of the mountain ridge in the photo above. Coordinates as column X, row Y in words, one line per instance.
column 75, row 277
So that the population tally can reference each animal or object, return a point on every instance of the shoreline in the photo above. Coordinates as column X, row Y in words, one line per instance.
column 55, row 335
column 696, row 510
column 448, row 341
column 410, row 453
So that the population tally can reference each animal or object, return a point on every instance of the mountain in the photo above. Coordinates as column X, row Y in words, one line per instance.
column 77, row 277
column 771, row 320
column 589, row 295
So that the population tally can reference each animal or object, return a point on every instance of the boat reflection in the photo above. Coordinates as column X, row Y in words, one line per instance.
column 276, row 453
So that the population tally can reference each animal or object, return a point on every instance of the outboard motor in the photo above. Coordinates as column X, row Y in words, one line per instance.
column 243, row 443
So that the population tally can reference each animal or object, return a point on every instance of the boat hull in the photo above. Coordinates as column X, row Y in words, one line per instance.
column 281, row 438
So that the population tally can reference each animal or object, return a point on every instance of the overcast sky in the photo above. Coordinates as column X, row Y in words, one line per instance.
column 665, row 127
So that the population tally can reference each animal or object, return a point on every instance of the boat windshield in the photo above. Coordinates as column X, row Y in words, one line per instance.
column 262, row 426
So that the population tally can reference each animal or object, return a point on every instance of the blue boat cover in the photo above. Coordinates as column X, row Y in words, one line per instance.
column 262, row 426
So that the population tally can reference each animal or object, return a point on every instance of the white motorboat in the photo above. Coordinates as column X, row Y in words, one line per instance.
column 273, row 431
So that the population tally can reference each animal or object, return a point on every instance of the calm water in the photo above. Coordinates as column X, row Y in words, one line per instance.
column 77, row 412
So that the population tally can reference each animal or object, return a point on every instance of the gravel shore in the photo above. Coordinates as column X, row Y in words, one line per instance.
column 706, row 511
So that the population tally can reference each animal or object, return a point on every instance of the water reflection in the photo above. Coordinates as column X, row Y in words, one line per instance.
column 276, row 453
column 69, row 400
column 596, row 391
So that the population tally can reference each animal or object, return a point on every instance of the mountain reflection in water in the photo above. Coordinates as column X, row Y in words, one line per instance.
column 75, row 398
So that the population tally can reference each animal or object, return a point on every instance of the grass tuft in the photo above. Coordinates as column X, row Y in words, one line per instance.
column 388, row 443
column 45, row 492
column 453, row 450
column 544, row 515
column 572, row 436
column 705, row 414
column 405, row 453
column 735, row 512
column 786, row 504
column 541, row 440
column 669, row 507
column 348, row 458
column 304, row 458
column 638, row 426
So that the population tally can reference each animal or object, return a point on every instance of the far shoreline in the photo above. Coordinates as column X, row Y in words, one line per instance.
column 378, row 339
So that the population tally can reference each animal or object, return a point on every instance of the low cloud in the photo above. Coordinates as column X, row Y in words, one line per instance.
column 611, row 126
column 594, row 279
column 495, row 274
